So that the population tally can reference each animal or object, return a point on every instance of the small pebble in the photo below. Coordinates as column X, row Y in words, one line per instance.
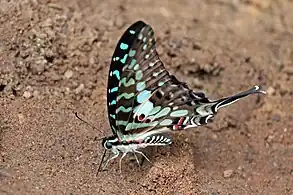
column 270, row 91
column 27, row 94
column 270, row 138
column 39, row 66
column 228, row 173
column 20, row 118
column 36, row 93
column 68, row 74
column 214, row 136
column 79, row 89
column 55, row 76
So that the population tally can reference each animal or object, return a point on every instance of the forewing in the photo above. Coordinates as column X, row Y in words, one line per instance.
column 117, row 64
column 148, row 97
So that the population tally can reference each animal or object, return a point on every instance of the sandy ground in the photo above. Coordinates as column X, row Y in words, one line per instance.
column 54, row 60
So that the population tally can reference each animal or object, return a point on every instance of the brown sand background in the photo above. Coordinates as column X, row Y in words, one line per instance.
column 54, row 60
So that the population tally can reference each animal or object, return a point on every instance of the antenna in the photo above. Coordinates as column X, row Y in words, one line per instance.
column 92, row 126
column 100, row 165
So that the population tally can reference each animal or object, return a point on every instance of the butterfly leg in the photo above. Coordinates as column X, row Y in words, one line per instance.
column 136, row 158
column 141, row 153
column 116, row 154
column 120, row 161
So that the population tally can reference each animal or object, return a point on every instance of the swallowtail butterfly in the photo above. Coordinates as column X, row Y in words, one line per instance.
column 145, row 102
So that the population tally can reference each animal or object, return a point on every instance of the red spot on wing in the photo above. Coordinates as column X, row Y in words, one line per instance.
column 140, row 117
column 179, row 124
column 147, row 120
column 180, row 121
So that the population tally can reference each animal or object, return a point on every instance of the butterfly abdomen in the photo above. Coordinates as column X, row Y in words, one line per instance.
column 157, row 140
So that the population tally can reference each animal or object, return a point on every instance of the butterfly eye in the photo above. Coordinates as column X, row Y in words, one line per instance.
column 108, row 145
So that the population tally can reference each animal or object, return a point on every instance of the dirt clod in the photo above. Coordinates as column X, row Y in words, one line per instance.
column 27, row 94
column 228, row 173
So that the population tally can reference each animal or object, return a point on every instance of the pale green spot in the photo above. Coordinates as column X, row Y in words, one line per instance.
column 131, row 81
column 156, row 74
column 144, row 47
column 161, row 83
column 113, row 116
column 179, row 113
column 204, row 110
column 125, row 95
column 144, row 39
column 138, row 75
column 142, row 96
column 123, row 109
column 140, row 86
column 166, row 122
column 151, row 64
column 136, row 67
column 140, row 36
column 132, row 63
column 155, row 110
column 132, row 32
column 124, row 59
column 131, row 126
column 114, row 89
column 113, row 102
column 144, row 108
column 132, row 53
column 123, row 46
column 117, row 73
column 163, row 112
column 124, row 123
column 117, row 58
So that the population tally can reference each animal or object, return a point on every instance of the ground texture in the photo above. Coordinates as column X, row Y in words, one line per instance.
column 54, row 60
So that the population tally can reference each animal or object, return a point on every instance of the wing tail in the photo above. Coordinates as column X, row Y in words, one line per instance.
column 231, row 99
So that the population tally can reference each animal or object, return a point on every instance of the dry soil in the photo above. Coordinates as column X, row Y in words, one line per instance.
column 54, row 60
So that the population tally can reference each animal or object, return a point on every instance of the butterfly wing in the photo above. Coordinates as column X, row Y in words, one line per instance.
column 144, row 99
column 144, row 94
column 117, row 64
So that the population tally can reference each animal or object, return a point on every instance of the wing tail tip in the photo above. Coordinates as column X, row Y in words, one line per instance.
column 258, row 89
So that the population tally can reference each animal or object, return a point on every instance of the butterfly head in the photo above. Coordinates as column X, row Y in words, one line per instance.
column 109, row 142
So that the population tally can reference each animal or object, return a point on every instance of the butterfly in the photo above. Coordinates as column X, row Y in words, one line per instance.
column 145, row 102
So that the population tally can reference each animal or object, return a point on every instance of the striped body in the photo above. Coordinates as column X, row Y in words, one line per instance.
column 130, row 145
